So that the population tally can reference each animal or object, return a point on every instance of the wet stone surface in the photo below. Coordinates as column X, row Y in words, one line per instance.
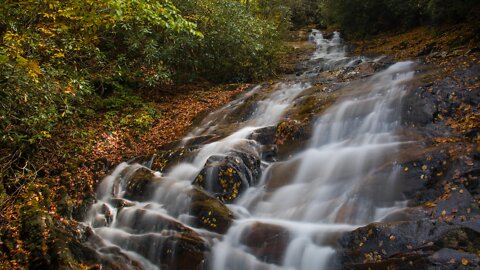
column 226, row 177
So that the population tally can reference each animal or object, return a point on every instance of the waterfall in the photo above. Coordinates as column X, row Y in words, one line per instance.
column 345, row 178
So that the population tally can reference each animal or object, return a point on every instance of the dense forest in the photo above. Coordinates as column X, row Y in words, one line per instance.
column 67, row 63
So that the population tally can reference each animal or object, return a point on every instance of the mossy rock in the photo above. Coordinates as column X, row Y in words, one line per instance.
column 209, row 212
column 141, row 185
column 226, row 177
column 268, row 242
column 292, row 135
column 167, row 159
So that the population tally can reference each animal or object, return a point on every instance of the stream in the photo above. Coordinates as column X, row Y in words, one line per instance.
column 230, row 202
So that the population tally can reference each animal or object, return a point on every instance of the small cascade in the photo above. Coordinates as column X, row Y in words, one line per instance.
column 345, row 177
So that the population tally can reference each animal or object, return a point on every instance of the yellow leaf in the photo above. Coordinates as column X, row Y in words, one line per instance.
column 59, row 55
column 464, row 261
column 430, row 204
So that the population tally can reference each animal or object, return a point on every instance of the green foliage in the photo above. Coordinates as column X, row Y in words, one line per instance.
column 367, row 17
column 237, row 45
column 54, row 55
column 452, row 11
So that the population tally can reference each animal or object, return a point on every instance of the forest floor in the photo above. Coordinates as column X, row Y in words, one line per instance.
column 77, row 157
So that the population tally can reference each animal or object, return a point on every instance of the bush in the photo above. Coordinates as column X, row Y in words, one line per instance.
column 452, row 11
column 53, row 53
column 368, row 17
column 237, row 45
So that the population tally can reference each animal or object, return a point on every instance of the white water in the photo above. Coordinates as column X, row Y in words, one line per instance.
column 344, row 179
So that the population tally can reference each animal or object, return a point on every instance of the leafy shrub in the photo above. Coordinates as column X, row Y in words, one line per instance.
column 367, row 17
column 53, row 53
column 237, row 45
column 452, row 11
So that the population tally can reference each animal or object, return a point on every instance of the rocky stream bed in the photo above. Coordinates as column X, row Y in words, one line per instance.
column 349, row 162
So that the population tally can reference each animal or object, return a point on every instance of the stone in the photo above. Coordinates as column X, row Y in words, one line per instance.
column 141, row 185
column 406, row 245
column 267, row 242
column 167, row 159
column 208, row 212
column 226, row 177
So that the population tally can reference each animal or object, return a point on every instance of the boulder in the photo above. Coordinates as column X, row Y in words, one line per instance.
column 226, row 176
column 168, row 250
column 208, row 212
column 167, row 159
column 141, row 184
column 292, row 135
column 409, row 245
column 140, row 221
column 264, row 136
column 267, row 242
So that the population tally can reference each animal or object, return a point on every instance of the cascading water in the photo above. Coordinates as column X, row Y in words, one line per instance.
column 346, row 177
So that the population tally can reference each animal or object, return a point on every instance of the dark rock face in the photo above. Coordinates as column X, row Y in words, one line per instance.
column 226, row 177
column 264, row 136
column 411, row 245
column 444, row 232
column 169, row 250
column 140, row 186
column 141, row 221
column 267, row 242
column 167, row 159
column 291, row 135
column 208, row 212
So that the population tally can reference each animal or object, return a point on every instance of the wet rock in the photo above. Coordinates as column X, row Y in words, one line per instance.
column 457, row 205
column 199, row 140
column 140, row 221
column 208, row 212
column 454, row 259
column 267, row 242
column 226, row 177
column 141, row 184
column 418, row 108
column 107, row 213
column 244, row 111
column 428, row 106
column 424, row 171
column 145, row 161
column 120, row 203
column 269, row 152
column 114, row 258
column 407, row 245
column 167, row 159
column 281, row 174
column 264, row 136
column 169, row 250
column 292, row 135
column 80, row 210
